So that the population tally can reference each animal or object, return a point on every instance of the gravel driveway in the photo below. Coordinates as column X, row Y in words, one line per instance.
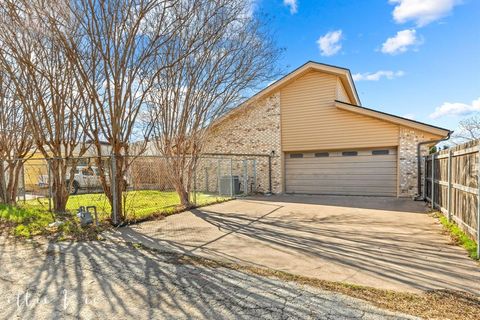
column 102, row 279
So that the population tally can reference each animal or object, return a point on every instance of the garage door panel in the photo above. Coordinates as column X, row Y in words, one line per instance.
column 363, row 174
column 347, row 192
column 342, row 159
column 346, row 183
column 323, row 177
column 339, row 189
column 383, row 164
column 341, row 171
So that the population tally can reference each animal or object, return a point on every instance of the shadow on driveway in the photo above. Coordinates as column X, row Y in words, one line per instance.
column 96, row 280
column 350, row 239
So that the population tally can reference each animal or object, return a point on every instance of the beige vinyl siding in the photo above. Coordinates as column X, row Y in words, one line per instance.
column 310, row 120
column 364, row 174
column 341, row 93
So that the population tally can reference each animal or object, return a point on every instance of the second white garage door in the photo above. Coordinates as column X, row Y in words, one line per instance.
column 349, row 172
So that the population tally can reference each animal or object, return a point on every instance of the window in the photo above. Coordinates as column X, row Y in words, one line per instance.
column 296, row 155
column 380, row 152
column 321, row 154
column 349, row 153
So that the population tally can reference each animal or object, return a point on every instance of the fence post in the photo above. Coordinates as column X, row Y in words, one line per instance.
column 23, row 183
column 218, row 176
column 3, row 181
column 113, row 187
column 433, row 181
column 231, row 178
column 254, row 175
column 270, row 173
column 245, row 177
column 49, row 164
column 206, row 179
column 195, row 184
column 449, row 194
column 478, row 203
column 424, row 190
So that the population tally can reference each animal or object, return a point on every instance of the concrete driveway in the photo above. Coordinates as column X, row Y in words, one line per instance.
column 380, row 242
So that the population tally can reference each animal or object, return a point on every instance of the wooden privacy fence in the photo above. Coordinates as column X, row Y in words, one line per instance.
column 451, row 184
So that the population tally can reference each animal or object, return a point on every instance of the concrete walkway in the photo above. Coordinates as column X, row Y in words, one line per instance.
column 380, row 242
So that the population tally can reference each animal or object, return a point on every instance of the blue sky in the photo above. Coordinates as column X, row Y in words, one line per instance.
column 413, row 58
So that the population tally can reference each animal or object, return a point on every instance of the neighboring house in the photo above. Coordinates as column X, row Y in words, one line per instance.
column 36, row 166
column 322, row 139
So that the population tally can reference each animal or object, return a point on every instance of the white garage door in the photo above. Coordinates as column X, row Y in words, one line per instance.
column 350, row 172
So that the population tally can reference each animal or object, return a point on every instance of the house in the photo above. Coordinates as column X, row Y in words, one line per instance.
column 36, row 166
column 322, row 140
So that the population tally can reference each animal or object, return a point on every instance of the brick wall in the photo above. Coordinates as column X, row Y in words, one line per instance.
column 408, row 173
column 254, row 129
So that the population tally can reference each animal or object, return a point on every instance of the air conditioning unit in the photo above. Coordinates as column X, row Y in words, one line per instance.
column 229, row 185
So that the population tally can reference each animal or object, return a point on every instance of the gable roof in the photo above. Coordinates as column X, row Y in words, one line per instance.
column 392, row 118
column 343, row 73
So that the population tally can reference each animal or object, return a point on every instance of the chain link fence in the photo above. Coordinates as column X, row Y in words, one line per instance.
column 148, row 187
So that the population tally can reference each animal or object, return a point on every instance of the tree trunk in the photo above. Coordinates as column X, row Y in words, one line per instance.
column 184, row 198
column 59, row 196
column 18, row 171
column 60, row 190
column 12, row 179
column 119, row 187
column 12, row 185
column 183, row 194
column 3, row 184
column 9, row 179
column 114, row 191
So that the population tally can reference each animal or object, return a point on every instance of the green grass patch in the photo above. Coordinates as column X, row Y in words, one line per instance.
column 139, row 205
column 459, row 236
column 33, row 218
column 26, row 222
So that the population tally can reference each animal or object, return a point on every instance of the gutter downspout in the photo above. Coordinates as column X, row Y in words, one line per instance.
column 419, row 163
column 270, row 156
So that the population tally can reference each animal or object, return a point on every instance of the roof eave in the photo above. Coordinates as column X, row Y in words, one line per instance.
column 392, row 118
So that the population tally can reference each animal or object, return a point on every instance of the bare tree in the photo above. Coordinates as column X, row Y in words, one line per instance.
column 15, row 140
column 231, row 56
column 45, row 86
column 115, row 48
column 468, row 129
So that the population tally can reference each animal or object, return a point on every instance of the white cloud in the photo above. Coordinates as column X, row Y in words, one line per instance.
column 422, row 12
column 410, row 116
column 375, row 76
column 329, row 44
column 401, row 42
column 456, row 109
column 292, row 4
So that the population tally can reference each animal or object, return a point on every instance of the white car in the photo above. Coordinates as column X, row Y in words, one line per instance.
column 85, row 177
